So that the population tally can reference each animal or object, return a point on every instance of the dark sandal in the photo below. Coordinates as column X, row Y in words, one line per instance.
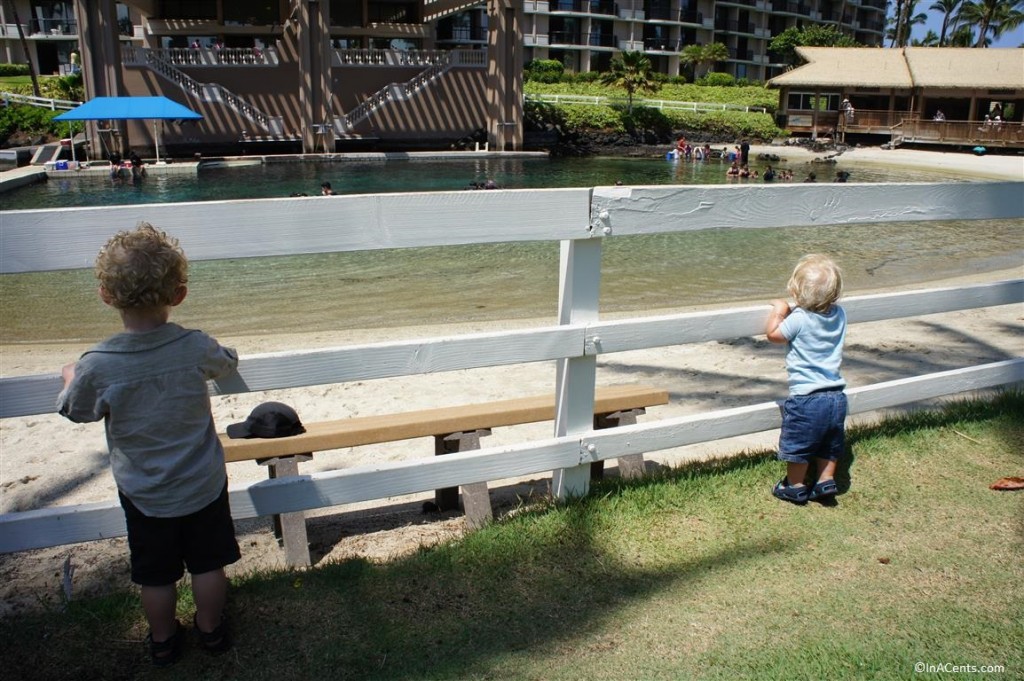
column 826, row 489
column 165, row 653
column 794, row 495
column 214, row 642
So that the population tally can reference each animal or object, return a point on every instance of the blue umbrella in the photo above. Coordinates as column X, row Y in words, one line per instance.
column 130, row 108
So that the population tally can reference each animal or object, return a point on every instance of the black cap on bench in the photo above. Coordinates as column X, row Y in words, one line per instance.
column 270, row 419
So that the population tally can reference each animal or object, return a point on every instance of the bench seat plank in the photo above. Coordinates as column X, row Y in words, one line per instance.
column 352, row 432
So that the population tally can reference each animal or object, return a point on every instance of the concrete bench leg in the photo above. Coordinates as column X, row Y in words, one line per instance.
column 631, row 465
column 476, row 500
column 290, row 528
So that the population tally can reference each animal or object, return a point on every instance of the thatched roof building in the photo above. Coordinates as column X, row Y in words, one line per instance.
column 885, row 87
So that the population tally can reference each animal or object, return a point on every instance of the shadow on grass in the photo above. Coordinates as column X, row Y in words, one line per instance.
column 544, row 582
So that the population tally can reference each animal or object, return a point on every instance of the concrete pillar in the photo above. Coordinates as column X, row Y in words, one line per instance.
column 100, row 49
column 505, row 74
column 315, row 86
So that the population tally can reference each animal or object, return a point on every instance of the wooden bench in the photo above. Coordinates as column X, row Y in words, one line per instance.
column 454, row 429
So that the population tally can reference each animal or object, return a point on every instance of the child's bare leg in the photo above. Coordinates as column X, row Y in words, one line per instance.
column 160, row 605
column 795, row 473
column 826, row 469
column 210, row 591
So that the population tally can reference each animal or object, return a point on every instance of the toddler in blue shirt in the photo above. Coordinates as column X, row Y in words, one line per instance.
column 814, row 414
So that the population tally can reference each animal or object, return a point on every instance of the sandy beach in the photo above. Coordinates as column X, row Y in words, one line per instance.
column 46, row 461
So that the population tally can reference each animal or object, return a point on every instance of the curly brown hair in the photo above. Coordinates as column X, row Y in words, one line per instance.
column 142, row 268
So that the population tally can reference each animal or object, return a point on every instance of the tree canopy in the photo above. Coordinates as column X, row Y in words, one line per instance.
column 818, row 35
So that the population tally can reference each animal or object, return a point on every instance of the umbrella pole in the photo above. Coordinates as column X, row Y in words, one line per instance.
column 71, row 131
column 156, row 142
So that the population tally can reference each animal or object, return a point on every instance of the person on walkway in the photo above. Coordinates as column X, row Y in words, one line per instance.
column 149, row 387
column 814, row 414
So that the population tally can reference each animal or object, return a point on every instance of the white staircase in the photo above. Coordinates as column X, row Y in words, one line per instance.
column 438, row 62
column 207, row 92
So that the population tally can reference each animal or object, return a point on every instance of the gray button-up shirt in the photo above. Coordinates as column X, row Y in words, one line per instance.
column 150, row 390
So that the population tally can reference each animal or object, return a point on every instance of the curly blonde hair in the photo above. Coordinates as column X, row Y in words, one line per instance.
column 143, row 268
column 816, row 283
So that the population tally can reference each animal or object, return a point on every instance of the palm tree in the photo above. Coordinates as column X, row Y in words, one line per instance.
column 704, row 55
column 948, row 8
column 931, row 39
column 904, row 22
column 631, row 71
column 24, row 47
column 992, row 16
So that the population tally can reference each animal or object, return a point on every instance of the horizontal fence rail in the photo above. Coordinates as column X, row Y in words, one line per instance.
column 660, row 104
column 581, row 219
column 40, row 240
column 89, row 522
column 30, row 395
column 9, row 98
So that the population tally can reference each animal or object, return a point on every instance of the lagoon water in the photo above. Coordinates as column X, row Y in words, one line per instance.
column 485, row 283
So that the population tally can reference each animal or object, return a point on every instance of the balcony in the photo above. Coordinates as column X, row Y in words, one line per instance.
column 603, row 7
column 53, row 27
column 603, row 40
column 661, row 45
column 691, row 17
column 566, row 38
column 535, row 6
column 462, row 34
column 736, row 27
column 535, row 39
column 577, row 6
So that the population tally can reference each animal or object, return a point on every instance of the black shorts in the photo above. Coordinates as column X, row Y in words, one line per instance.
column 161, row 548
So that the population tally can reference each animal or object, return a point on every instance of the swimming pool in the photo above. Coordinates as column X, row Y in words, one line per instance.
column 363, row 177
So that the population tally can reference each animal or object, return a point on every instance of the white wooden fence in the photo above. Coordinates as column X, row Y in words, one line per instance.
column 581, row 219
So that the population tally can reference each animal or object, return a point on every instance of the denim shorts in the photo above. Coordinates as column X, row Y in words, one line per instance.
column 162, row 547
column 813, row 426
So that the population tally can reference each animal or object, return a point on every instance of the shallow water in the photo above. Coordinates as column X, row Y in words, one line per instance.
column 491, row 282
column 286, row 179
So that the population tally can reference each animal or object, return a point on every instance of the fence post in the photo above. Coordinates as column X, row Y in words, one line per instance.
column 579, row 288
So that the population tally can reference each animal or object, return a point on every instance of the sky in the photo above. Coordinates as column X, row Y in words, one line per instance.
column 1013, row 39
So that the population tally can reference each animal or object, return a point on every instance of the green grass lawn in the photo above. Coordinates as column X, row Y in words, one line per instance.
column 695, row 573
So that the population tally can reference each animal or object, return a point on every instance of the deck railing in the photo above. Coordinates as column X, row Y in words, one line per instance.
column 581, row 220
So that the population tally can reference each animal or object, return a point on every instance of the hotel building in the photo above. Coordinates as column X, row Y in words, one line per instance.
column 316, row 75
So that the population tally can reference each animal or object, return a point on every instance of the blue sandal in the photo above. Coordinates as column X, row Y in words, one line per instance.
column 826, row 489
column 794, row 495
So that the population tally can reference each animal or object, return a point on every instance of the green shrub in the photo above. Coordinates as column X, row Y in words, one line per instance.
column 717, row 79
column 13, row 70
column 543, row 71
column 31, row 120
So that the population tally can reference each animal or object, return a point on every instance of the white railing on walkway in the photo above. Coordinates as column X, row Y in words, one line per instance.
column 661, row 104
column 156, row 61
column 581, row 219
column 42, row 102
column 436, row 63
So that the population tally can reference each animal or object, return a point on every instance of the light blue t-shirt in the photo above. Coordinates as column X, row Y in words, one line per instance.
column 815, row 349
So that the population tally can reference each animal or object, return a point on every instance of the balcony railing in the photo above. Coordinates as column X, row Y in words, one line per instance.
column 566, row 38
column 462, row 34
column 580, row 6
column 661, row 45
column 53, row 27
column 691, row 17
column 602, row 40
